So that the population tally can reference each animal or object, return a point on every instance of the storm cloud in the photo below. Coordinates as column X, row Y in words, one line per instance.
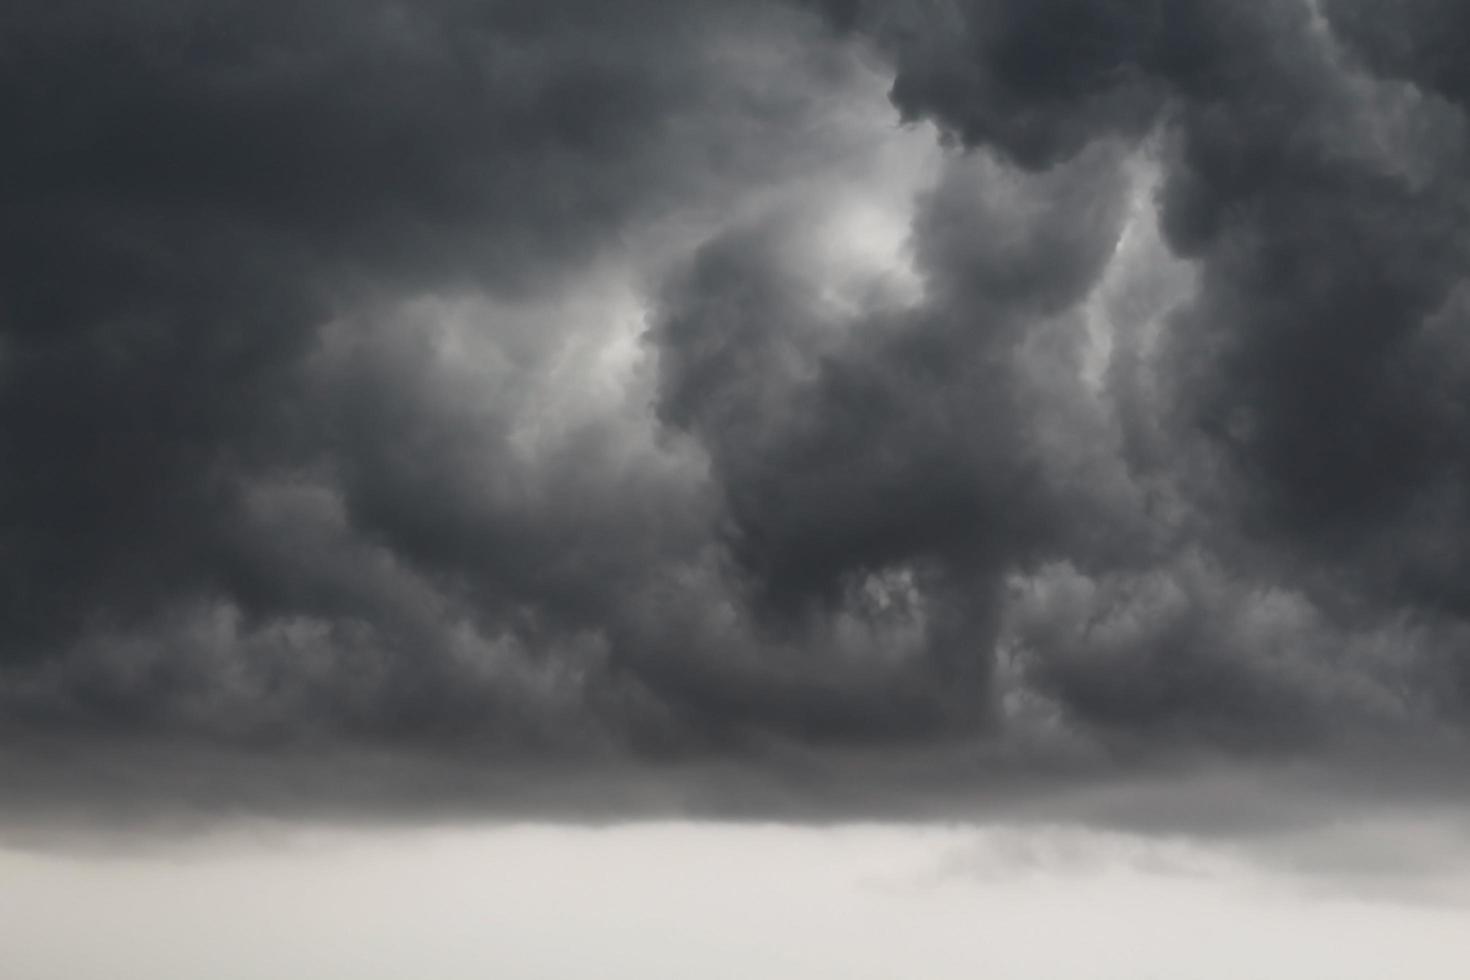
column 830, row 408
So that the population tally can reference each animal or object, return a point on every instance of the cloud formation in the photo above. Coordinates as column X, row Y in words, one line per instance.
column 825, row 407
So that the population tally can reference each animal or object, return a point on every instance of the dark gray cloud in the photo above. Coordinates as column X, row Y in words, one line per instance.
column 626, row 401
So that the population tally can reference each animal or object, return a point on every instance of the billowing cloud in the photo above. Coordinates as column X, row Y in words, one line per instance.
column 833, row 408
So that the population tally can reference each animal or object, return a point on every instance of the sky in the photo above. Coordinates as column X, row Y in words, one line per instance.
column 860, row 902
column 760, row 433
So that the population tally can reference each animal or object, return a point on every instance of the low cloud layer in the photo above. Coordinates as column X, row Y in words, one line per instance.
column 830, row 408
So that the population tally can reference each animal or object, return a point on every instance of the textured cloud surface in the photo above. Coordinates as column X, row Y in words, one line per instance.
column 817, row 407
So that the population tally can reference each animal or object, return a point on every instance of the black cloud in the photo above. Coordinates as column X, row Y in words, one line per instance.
column 462, row 381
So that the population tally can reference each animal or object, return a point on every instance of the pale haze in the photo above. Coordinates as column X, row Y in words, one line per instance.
column 673, row 901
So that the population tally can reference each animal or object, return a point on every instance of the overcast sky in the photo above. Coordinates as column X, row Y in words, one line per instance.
column 669, row 900
column 1016, row 414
